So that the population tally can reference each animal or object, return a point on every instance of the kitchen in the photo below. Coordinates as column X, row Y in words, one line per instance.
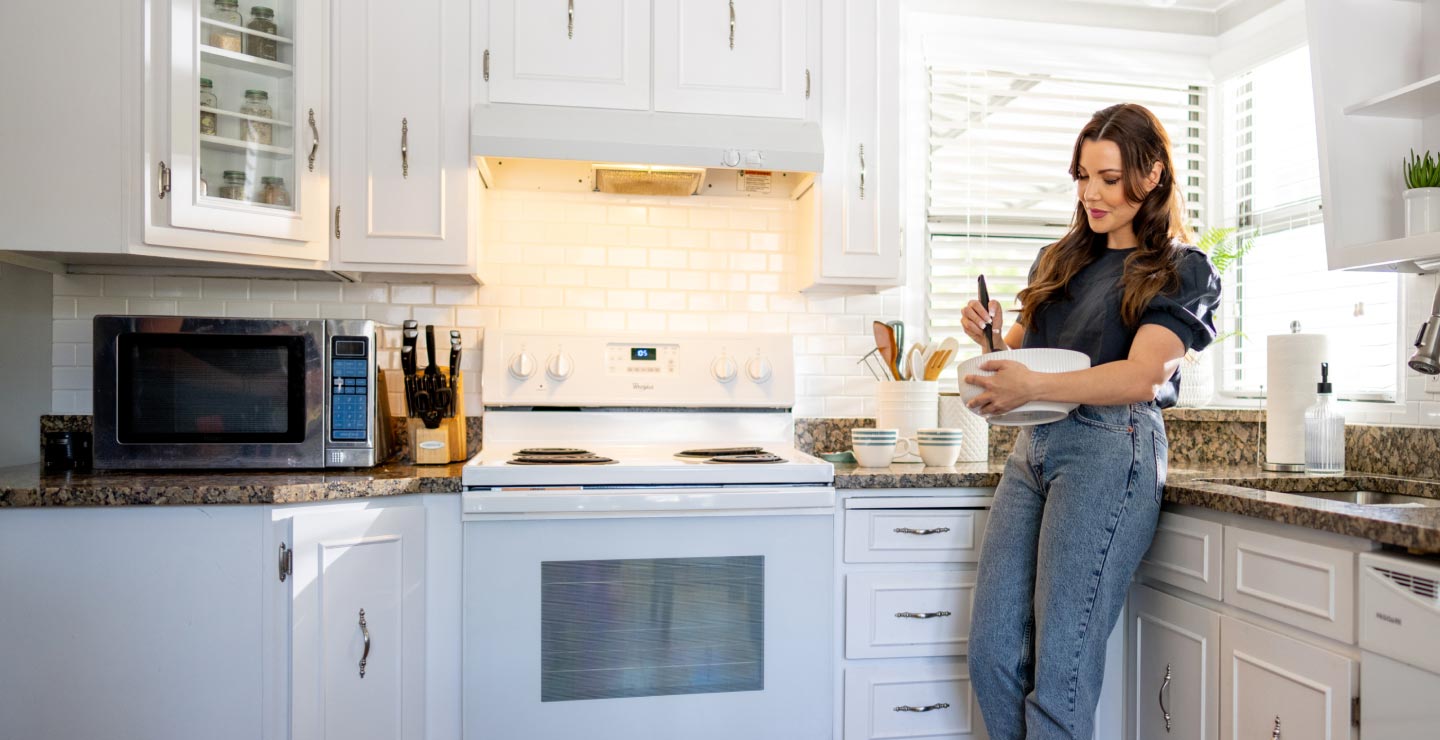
column 451, row 164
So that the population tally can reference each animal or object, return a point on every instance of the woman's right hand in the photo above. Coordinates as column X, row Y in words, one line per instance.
column 973, row 319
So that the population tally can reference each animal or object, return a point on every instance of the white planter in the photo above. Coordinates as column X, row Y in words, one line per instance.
column 1422, row 211
column 1197, row 382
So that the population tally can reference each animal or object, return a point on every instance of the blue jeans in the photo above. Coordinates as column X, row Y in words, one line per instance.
column 1074, row 513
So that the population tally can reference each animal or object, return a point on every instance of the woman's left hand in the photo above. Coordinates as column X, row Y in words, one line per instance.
column 1012, row 386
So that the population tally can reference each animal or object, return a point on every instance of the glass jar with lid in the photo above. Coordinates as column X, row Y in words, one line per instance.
column 225, row 11
column 273, row 192
column 208, row 121
column 262, row 19
column 257, row 103
column 234, row 187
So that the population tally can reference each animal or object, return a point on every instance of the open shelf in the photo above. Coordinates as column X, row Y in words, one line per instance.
column 244, row 62
column 1394, row 255
column 236, row 145
column 243, row 116
column 1416, row 100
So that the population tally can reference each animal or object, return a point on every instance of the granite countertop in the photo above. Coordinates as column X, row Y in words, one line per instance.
column 1230, row 489
column 27, row 486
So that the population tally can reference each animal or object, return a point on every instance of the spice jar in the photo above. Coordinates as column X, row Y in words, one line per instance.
column 226, row 11
column 208, row 120
column 262, row 19
column 274, row 193
column 234, row 187
column 257, row 103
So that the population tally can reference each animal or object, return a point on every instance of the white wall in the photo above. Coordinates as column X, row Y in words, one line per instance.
column 24, row 361
column 584, row 262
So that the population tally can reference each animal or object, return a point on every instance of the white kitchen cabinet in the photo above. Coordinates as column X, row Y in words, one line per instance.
column 1187, row 553
column 358, row 623
column 742, row 57
column 135, row 623
column 1305, row 584
column 1277, row 687
column 855, row 241
column 1172, row 676
column 93, row 183
column 908, row 614
column 590, row 53
column 1376, row 78
column 932, row 702
column 403, row 185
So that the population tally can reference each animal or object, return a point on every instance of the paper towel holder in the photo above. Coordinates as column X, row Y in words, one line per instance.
column 1275, row 467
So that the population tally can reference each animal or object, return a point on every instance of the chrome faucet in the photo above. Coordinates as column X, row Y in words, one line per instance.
column 1427, row 344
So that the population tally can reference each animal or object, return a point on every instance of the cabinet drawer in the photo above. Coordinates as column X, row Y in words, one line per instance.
column 896, row 615
column 932, row 702
column 1186, row 553
column 1299, row 583
column 914, row 535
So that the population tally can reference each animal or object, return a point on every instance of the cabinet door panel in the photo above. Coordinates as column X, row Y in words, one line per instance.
column 1270, row 680
column 402, row 177
column 1186, row 553
column 1173, row 668
column 345, row 562
column 931, row 702
column 592, row 53
column 892, row 615
column 745, row 57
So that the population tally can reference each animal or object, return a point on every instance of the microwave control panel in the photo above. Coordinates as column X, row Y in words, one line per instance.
column 349, row 389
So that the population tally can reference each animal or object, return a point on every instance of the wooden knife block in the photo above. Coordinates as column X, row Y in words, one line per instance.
column 446, row 443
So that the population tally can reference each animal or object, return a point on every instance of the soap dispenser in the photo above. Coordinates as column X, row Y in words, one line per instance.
column 1324, row 430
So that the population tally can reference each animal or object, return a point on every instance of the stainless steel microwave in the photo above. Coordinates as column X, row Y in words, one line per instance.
column 194, row 392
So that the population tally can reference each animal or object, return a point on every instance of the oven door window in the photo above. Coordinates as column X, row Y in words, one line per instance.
column 203, row 389
column 652, row 627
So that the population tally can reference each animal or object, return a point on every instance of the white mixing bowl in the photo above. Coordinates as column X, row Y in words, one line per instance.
column 1041, row 360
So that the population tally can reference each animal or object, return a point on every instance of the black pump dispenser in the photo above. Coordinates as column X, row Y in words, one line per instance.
column 1324, row 385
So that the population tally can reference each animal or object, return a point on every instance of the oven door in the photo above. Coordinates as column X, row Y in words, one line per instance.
column 693, row 626
column 175, row 392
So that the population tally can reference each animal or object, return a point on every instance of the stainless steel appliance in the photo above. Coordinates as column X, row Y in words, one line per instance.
column 645, row 553
column 193, row 392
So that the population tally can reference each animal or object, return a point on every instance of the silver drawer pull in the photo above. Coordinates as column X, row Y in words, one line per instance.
column 907, row 530
column 1163, row 709
column 931, row 708
column 1276, row 734
column 364, row 630
column 921, row 615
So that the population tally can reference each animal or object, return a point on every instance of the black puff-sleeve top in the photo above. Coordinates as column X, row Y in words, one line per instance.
column 1087, row 318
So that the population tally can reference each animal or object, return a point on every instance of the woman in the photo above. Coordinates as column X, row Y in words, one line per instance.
column 1077, row 505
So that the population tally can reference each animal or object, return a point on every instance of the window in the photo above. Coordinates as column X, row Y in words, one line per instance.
column 1271, row 189
column 999, row 187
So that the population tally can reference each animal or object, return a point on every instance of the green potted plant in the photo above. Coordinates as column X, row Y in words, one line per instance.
column 1197, row 371
column 1422, row 194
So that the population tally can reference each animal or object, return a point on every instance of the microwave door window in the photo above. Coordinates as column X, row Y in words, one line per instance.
column 202, row 389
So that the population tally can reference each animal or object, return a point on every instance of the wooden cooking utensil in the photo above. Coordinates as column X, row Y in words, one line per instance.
column 889, row 352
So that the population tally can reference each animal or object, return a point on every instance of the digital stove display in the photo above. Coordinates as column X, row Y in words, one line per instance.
column 642, row 353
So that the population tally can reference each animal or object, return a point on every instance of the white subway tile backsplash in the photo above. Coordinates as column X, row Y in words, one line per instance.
column 129, row 286
column 556, row 262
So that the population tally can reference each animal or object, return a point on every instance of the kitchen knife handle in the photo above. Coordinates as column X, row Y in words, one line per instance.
column 430, row 346
column 985, row 301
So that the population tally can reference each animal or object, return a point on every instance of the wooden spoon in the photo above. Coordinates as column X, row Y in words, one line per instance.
column 889, row 352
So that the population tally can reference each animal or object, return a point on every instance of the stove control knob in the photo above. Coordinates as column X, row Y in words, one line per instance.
column 522, row 366
column 758, row 368
column 560, row 366
column 724, row 368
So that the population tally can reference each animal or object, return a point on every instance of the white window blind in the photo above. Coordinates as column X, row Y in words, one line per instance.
column 1272, row 197
column 999, row 188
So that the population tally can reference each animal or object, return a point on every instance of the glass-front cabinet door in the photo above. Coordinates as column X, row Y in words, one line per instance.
column 245, row 94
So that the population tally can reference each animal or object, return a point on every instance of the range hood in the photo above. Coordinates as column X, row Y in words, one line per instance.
column 645, row 137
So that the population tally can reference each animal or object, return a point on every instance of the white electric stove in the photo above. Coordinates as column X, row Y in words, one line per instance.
column 646, row 554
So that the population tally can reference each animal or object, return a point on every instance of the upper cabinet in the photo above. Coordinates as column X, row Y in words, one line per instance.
column 403, row 183
column 238, row 141
column 1377, row 96
column 856, row 202
column 592, row 53
column 741, row 57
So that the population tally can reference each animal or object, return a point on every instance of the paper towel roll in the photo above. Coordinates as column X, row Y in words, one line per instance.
column 1292, row 370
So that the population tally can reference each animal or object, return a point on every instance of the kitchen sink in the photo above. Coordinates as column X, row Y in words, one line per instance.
column 1363, row 490
column 1371, row 498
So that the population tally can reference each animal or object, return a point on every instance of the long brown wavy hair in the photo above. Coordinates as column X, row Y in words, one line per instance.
column 1152, row 268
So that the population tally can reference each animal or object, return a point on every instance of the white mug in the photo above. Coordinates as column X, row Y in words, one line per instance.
column 939, row 454
column 877, row 448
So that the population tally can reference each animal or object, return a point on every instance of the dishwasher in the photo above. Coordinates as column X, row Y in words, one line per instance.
column 1400, row 655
